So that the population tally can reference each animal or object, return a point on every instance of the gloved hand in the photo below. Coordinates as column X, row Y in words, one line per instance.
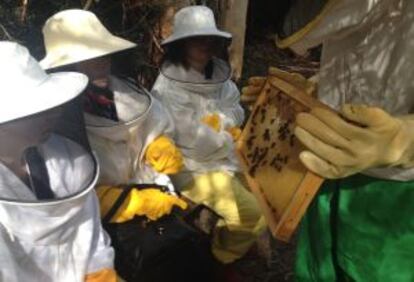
column 213, row 121
column 251, row 92
column 151, row 203
column 235, row 132
column 164, row 156
column 364, row 137
column 104, row 275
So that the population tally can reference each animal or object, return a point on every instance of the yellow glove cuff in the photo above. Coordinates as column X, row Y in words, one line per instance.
column 235, row 132
column 104, row 275
column 151, row 203
column 107, row 196
column 296, row 79
column 155, row 204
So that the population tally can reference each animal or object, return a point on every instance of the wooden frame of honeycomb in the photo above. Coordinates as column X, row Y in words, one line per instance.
column 269, row 154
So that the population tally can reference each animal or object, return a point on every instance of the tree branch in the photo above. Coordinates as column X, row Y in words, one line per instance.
column 24, row 11
column 88, row 4
column 6, row 34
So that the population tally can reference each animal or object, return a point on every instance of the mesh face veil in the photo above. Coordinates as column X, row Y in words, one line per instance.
column 47, row 153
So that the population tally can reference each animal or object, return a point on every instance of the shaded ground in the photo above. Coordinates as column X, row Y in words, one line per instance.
column 268, row 261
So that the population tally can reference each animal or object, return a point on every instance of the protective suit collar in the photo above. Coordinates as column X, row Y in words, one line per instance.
column 58, row 239
column 133, row 106
column 73, row 174
column 222, row 73
column 72, row 171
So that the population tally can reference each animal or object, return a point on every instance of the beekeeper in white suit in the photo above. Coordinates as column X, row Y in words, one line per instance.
column 195, row 86
column 126, row 126
column 49, row 216
column 360, row 226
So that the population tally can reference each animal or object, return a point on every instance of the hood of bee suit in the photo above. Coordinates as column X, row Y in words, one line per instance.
column 120, row 145
column 48, row 210
column 45, row 159
column 190, row 79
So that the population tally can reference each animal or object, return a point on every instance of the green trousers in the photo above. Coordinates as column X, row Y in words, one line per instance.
column 358, row 229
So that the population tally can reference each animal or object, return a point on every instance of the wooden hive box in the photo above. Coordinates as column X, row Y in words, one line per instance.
column 269, row 155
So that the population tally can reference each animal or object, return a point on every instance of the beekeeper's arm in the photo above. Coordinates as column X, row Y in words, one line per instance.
column 230, row 110
column 206, row 142
column 229, row 115
column 100, row 268
column 360, row 138
column 199, row 140
column 150, row 202
column 163, row 156
column 255, row 84
column 160, row 151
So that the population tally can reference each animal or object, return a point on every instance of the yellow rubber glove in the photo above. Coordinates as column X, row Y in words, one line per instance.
column 235, row 132
column 151, row 203
column 255, row 84
column 164, row 156
column 296, row 79
column 251, row 91
column 212, row 120
column 104, row 275
column 364, row 137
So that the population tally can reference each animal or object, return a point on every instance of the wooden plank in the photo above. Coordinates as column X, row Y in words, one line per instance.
column 297, row 208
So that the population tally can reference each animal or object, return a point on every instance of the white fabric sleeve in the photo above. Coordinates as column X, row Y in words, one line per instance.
column 102, row 254
column 230, row 110
column 196, row 139
column 158, row 122
column 342, row 18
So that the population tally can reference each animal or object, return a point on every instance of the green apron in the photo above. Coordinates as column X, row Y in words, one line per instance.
column 358, row 229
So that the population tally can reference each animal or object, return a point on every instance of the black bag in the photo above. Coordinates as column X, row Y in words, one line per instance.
column 166, row 250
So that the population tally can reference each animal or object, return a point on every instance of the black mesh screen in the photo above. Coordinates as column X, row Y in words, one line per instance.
column 24, row 149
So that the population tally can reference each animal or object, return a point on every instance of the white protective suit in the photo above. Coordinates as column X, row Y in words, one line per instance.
column 366, row 61
column 360, row 228
column 189, row 97
column 53, row 240
column 209, row 177
column 121, row 146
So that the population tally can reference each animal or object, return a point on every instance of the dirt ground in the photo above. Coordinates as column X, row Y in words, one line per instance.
column 271, row 260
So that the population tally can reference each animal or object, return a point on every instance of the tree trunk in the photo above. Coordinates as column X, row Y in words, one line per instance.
column 233, row 20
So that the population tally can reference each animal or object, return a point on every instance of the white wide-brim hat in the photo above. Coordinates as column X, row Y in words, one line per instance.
column 73, row 36
column 195, row 21
column 27, row 89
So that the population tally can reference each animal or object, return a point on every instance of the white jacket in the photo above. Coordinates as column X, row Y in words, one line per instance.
column 53, row 240
column 120, row 146
column 368, row 58
column 189, row 97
